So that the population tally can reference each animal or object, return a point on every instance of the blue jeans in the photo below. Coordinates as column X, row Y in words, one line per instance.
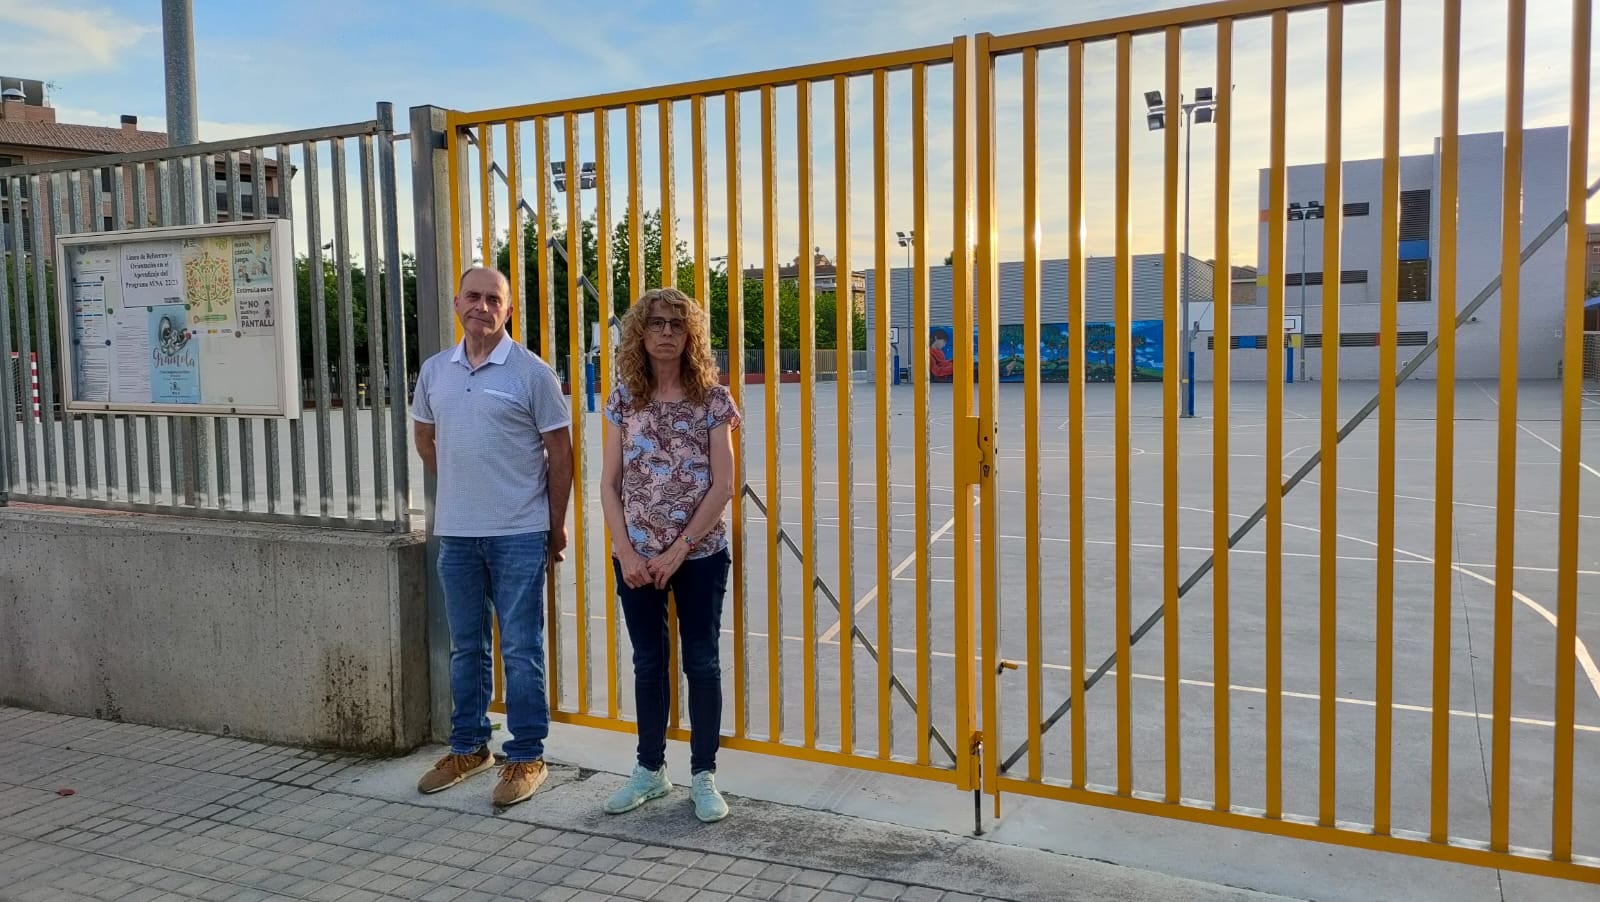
column 507, row 573
column 698, row 587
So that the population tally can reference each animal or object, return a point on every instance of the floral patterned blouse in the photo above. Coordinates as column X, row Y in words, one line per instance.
column 666, row 467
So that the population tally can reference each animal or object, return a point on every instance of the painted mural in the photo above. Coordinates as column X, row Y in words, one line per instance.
column 1100, row 352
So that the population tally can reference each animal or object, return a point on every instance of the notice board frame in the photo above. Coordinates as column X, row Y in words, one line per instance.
column 285, row 328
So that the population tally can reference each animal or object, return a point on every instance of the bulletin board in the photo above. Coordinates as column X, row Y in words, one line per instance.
column 190, row 320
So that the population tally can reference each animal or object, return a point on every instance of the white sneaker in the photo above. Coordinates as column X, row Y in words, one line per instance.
column 708, row 804
column 642, row 787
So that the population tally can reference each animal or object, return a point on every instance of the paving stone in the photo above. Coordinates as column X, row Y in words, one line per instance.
column 844, row 883
column 882, row 889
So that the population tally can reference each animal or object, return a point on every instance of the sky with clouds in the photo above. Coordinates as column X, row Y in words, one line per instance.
column 301, row 63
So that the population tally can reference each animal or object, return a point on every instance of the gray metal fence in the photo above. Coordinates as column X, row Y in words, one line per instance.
column 345, row 461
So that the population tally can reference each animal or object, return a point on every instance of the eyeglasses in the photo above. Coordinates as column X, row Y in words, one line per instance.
column 661, row 325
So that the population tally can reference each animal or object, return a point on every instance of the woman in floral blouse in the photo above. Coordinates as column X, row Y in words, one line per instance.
column 668, row 478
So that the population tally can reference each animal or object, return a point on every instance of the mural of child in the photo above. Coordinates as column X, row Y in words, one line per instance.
column 940, row 368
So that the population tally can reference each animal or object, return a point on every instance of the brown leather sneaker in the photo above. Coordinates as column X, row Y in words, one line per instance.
column 518, row 781
column 452, row 769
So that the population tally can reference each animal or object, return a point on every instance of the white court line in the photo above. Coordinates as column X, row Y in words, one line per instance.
column 1548, row 444
column 1205, row 684
column 1487, row 507
column 872, row 593
column 1308, row 481
column 1579, row 649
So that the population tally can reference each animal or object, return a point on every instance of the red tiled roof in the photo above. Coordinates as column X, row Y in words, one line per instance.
column 87, row 138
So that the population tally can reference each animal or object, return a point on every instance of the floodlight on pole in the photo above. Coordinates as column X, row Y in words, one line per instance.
column 907, row 240
column 588, row 176
column 1303, row 214
column 1199, row 111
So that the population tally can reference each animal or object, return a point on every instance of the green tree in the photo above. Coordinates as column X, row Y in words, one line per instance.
column 650, row 240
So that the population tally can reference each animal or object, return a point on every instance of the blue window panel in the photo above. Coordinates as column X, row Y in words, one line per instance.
column 1416, row 249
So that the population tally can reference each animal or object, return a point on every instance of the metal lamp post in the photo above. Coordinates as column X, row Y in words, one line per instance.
column 1201, row 111
column 1303, row 214
column 906, row 240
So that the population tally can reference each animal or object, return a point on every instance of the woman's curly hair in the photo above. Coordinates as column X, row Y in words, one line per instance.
column 700, row 371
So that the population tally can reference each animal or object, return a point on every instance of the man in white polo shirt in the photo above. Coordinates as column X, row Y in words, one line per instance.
column 491, row 421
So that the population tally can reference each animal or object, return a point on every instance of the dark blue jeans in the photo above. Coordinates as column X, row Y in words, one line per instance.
column 483, row 576
column 698, row 586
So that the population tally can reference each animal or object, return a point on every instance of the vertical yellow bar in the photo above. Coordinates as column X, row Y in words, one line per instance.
column 638, row 283
column 770, row 379
column 966, row 131
column 808, row 413
column 1077, row 316
column 1174, row 268
column 1031, row 342
column 578, row 553
column 844, row 329
column 1328, row 628
column 602, row 218
column 1222, row 358
column 518, row 261
column 544, row 220
column 988, row 321
column 882, row 354
column 669, row 256
column 1571, row 435
column 1124, row 418
column 547, row 272
column 486, row 192
column 1277, row 260
column 1445, row 421
column 917, row 343
column 702, row 222
column 460, row 222
column 740, row 529
column 638, row 280
column 1389, row 249
column 1506, row 456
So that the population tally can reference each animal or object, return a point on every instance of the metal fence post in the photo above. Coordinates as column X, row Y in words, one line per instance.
column 434, row 233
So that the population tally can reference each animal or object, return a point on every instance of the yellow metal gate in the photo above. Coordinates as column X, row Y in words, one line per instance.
column 992, row 142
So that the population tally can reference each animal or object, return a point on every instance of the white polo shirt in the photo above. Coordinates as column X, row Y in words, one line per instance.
column 489, row 423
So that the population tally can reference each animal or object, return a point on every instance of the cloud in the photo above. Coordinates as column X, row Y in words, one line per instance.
column 48, row 43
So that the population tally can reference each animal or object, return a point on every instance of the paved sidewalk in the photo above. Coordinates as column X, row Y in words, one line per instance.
column 97, row 810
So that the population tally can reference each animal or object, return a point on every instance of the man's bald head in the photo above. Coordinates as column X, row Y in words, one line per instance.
column 483, row 303
column 480, row 272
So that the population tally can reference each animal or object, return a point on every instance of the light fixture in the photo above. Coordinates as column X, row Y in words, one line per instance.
column 1156, row 121
column 1205, row 114
column 1152, row 99
column 1204, row 95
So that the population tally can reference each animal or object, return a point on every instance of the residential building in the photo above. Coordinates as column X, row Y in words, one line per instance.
column 827, row 278
column 30, row 134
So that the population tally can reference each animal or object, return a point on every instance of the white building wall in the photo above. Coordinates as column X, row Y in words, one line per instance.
column 1478, row 217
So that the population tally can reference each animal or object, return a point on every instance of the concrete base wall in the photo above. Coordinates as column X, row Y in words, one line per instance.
column 281, row 633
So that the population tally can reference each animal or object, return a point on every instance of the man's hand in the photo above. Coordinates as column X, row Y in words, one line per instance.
column 635, row 570
column 667, row 563
column 556, row 545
